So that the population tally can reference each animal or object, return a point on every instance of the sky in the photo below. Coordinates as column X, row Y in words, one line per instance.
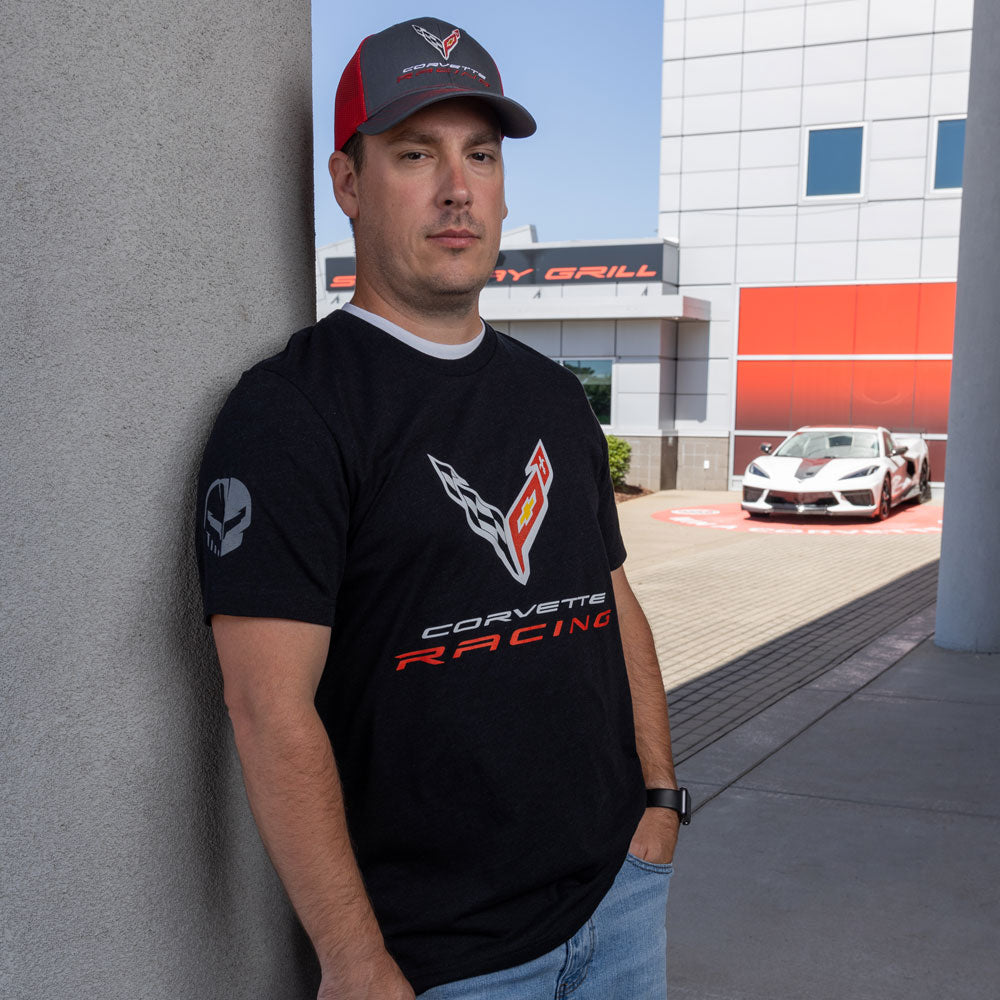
column 587, row 70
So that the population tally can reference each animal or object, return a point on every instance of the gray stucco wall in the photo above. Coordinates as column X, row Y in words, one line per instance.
column 968, row 592
column 156, row 240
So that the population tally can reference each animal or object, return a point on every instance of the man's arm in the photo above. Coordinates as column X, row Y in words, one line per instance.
column 271, row 668
column 656, row 835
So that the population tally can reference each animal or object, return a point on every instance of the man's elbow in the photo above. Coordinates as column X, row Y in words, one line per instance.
column 255, row 714
column 240, row 705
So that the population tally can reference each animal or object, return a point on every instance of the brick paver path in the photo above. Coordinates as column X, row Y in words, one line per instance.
column 740, row 619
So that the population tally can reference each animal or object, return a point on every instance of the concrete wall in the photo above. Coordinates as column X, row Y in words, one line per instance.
column 157, row 238
column 967, row 615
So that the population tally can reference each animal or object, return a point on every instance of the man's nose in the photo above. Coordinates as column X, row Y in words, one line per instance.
column 455, row 188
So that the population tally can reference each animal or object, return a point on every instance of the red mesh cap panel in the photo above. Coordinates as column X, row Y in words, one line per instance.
column 350, row 110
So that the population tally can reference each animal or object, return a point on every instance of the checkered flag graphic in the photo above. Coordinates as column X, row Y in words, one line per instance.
column 485, row 520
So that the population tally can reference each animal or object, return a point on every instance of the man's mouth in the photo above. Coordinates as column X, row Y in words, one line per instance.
column 454, row 239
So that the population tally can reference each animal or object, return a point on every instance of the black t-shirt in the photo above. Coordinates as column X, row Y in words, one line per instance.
column 453, row 521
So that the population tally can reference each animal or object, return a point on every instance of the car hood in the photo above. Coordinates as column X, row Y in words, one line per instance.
column 810, row 473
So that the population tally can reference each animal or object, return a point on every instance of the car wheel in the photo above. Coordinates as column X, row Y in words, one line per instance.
column 885, row 501
column 925, row 482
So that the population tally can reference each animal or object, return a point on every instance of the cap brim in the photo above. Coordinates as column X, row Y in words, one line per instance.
column 515, row 121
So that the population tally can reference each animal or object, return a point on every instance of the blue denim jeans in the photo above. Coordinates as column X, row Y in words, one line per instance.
column 619, row 954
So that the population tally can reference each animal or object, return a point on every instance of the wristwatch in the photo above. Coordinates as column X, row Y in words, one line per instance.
column 677, row 799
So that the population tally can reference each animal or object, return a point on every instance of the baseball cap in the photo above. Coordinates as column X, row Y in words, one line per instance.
column 414, row 64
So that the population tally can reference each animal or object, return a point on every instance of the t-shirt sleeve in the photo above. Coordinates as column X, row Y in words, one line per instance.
column 273, row 508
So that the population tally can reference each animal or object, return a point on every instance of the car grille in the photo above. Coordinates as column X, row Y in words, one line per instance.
column 751, row 495
column 778, row 499
column 860, row 498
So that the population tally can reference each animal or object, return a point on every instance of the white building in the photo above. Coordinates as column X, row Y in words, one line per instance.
column 811, row 172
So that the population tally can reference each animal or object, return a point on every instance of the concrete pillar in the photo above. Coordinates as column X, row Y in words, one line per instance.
column 968, row 615
column 156, row 228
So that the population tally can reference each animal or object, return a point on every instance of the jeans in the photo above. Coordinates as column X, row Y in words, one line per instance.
column 619, row 954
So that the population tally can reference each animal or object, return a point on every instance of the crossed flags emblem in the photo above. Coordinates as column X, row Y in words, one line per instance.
column 511, row 534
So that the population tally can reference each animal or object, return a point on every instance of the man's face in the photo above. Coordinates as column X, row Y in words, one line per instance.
column 428, row 206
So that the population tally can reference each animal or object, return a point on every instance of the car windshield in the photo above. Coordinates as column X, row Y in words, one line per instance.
column 830, row 444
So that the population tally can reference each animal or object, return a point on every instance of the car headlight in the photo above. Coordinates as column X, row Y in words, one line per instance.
column 861, row 473
column 755, row 470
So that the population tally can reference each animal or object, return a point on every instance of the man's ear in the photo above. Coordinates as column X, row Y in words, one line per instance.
column 345, row 183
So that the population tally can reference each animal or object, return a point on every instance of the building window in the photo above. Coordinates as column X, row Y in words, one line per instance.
column 596, row 379
column 949, row 153
column 834, row 157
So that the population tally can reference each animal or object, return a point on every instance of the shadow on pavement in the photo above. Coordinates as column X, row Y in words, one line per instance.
column 706, row 708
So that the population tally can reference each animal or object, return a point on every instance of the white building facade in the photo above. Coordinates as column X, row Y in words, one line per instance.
column 811, row 173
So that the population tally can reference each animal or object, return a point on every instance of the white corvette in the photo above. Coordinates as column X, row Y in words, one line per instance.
column 852, row 471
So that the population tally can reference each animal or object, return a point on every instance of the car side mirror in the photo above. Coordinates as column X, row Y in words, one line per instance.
column 901, row 449
column 766, row 448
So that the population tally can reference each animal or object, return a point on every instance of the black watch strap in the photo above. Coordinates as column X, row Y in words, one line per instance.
column 677, row 799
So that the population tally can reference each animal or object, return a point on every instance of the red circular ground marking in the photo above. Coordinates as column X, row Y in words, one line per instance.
column 910, row 519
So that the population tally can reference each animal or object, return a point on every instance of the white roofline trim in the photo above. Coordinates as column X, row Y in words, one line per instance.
column 624, row 307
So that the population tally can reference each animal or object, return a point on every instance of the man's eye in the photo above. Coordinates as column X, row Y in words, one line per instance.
column 413, row 156
column 481, row 157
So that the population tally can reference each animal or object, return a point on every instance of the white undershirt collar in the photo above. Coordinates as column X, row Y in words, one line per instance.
column 431, row 347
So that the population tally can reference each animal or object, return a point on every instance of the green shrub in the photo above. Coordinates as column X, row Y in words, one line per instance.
column 619, row 457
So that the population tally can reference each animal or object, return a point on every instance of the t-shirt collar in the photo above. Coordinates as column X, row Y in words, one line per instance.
column 431, row 347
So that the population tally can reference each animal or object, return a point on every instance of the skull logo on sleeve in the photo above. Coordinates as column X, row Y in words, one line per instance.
column 227, row 515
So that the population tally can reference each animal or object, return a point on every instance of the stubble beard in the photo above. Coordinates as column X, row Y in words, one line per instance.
column 434, row 294
column 439, row 296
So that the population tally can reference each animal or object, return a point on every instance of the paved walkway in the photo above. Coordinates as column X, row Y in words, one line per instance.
column 846, row 770
column 741, row 619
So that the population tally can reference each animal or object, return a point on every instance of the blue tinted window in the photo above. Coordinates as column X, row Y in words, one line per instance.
column 834, row 161
column 950, row 151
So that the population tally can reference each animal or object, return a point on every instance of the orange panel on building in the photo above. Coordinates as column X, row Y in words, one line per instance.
column 902, row 394
column 936, row 323
column 825, row 319
column 883, row 393
column 821, row 392
column 887, row 319
column 932, row 387
column 767, row 321
column 763, row 394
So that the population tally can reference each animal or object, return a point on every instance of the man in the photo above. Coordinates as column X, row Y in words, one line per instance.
column 445, row 747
